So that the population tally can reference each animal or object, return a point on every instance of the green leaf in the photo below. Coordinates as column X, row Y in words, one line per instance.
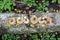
column 58, row 38
column 52, row 38
column 45, row 8
column 53, row 1
column 58, row 1
column 34, row 37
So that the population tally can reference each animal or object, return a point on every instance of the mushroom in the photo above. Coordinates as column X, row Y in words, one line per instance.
column 12, row 21
column 19, row 20
column 48, row 20
column 26, row 20
column 34, row 19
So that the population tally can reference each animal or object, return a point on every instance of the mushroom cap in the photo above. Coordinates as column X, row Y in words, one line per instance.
column 48, row 20
column 26, row 20
column 12, row 21
column 34, row 19
column 19, row 20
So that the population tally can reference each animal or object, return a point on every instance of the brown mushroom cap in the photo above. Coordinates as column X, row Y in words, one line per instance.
column 12, row 21
column 41, row 20
column 34, row 19
column 26, row 21
column 48, row 20
column 45, row 19
column 19, row 20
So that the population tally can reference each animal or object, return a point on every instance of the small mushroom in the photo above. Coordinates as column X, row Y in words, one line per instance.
column 41, row 20
column 48, row 20
column 26, row 20
column 34, row 19
column 12, row 21
column 19, row 20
